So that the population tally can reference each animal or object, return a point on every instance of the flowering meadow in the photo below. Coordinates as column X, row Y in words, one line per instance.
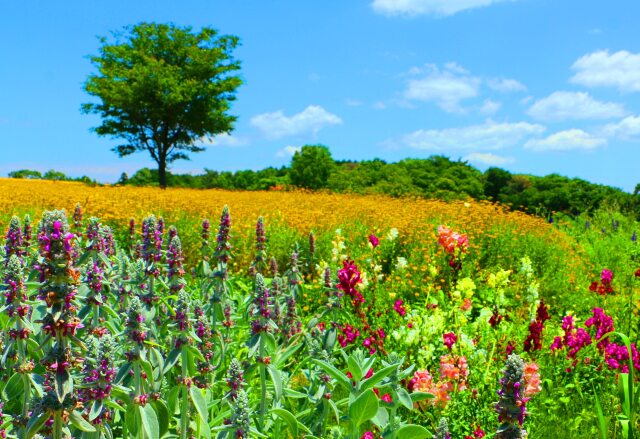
column 142, row 313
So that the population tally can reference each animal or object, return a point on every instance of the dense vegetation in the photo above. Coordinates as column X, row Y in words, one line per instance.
column 361, row 332
column 436, row 177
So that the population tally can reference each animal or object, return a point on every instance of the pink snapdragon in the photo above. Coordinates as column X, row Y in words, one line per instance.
column 452, row 241
column 449, row 339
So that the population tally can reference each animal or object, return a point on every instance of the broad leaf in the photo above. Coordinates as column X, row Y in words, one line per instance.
column 363, row 408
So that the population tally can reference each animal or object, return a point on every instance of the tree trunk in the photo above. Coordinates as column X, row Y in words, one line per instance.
column 162, row 174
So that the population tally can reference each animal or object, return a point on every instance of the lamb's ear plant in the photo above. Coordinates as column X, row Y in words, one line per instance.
column 362, row 406
column 261, row 343
column 60, row 324
column 18, row 352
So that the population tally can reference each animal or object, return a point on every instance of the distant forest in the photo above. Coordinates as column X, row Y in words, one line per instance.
column 434, row 177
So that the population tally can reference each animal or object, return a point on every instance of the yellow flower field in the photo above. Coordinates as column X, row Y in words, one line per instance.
column 415, row 219
column 300, row 210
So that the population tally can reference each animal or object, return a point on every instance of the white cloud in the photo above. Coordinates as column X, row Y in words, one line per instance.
column 627, row 129
column 224, row 139
column 379, row 105
column 620, row 69
column 311, row 120
column 566, row 140
column 566, row 105
column 288, row 151
column 490, row 107
column 486, row 158
column 505, row 85
column 353, row 102
column 444, row 87
column 431, row 7
column 487, row 136
column 525, row 100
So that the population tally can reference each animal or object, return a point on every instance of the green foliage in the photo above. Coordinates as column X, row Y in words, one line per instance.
column 49, row 175
column 25, row 173
column 175, row 381
column 161, row 88
column 311, row 167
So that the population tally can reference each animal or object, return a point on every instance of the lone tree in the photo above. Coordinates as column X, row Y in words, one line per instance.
column 311, row 167
column 162, row 88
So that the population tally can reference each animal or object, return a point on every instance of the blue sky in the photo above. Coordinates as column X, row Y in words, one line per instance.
column 533, row 86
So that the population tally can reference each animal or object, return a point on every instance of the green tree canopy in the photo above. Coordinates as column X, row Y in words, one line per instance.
column 495, row 180
column 311, row 167
column 161, row 88
column 26, row 173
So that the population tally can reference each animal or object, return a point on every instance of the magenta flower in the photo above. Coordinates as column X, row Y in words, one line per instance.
column 606, row 276
column 373, row 239
column 449, row 339
column 399, row 308
column 348, row 278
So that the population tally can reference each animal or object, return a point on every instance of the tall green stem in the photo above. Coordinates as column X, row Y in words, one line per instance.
column 184, row 417
column 57, row 425
column 263, row 383
column 26, row 382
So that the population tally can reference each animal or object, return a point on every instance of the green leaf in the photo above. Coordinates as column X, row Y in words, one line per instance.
column 381, row 418
column 172, row 359
column 148, row 369
column 149, row 421
column 132, row 419
column 354, row 368
column 123, row 372
column 288, row 418
column 36, row 423
column 172, row 399
column 114, row 405
column 379, row 376
column 80, row 423
column 96, row 409
column 405, row 398
column 412, row 432
column 270, row 340
column 13, row 389
column 335, row 373
column 163, row 416
column 63, row 384
column 277, row 382
column 290, row 393
column 602, row 422
column 421, row 396
column 199, row 403
column 284, row 356
column 330, row 339
column 363, row 408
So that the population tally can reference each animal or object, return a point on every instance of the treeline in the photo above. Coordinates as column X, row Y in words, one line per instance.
column 436, row 177
column 49, row 175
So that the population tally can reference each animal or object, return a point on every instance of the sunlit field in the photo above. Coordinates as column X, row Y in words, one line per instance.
column 185, row 313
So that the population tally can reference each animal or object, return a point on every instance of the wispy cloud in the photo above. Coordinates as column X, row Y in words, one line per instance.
column 446, row 87
column 487, row 158
column 567, row 140
column 620, row 70
column 566, row 105
column 225, row 139
column 311, row 120
column 430, row 7
column 484, row 137
column 490, row 107
column 505, row 85
column 288, row 151
column 627, row 129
